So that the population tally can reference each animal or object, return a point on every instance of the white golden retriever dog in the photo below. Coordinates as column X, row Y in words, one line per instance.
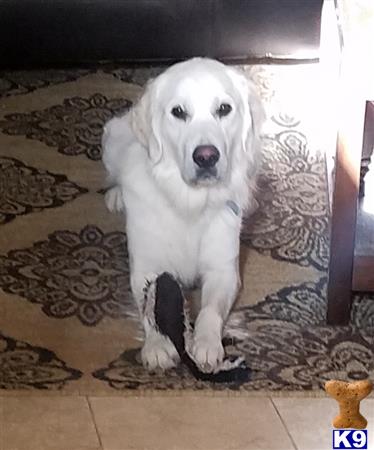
column 182, row 165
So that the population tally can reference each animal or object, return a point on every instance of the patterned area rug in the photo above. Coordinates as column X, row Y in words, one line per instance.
column 67, row 320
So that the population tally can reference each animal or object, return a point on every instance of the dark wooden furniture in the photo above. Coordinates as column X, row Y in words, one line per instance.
column 349, row 272
column 363, row 268
column 38, row 33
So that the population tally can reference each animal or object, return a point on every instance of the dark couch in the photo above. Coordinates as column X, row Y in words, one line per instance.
column 53, row 32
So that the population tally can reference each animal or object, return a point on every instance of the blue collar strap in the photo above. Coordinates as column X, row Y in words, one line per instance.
column 233, row 206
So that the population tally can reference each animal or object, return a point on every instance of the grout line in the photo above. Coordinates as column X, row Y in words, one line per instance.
column 94, row 422
column 284, row 424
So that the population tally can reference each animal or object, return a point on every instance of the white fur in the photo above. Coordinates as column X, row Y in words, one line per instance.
column 176, row 222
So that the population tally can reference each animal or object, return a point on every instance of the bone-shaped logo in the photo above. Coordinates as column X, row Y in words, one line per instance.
column 349, row 395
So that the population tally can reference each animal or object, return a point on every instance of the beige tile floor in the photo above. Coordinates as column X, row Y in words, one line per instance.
column 169, row 423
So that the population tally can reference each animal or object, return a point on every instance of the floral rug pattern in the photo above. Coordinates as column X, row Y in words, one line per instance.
column 25, row 189
column 24, row 366
column 72, row 274
column 292, row 221
column 74, row 128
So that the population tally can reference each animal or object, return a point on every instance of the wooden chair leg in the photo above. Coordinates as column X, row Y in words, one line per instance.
column 344, row 212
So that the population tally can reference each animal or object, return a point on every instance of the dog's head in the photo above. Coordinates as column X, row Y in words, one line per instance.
column 199, row 117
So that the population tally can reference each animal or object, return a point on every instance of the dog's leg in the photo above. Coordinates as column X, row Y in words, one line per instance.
column 219, row 290
column 158, row 351
column 116, row 139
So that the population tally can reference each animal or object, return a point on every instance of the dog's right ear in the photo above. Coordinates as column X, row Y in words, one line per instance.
column 144, row 124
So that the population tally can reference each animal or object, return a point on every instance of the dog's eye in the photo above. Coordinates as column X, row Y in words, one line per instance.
column 179, row 112
column 223, row 110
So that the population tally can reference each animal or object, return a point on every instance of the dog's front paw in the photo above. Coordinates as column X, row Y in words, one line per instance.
column 159, row 352
column 114, row 200
column 207, row 351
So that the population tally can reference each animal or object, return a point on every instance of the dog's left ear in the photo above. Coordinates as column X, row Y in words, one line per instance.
column 144, row 123
column 253, row 114
column 257, row 112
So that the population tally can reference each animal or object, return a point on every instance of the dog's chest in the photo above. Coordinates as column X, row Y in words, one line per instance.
column 161, row 241
column 182, row 249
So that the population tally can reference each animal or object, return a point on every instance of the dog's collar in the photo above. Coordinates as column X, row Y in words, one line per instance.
column 235, row 208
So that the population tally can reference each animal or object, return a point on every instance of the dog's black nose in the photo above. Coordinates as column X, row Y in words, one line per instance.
column 206, row 156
